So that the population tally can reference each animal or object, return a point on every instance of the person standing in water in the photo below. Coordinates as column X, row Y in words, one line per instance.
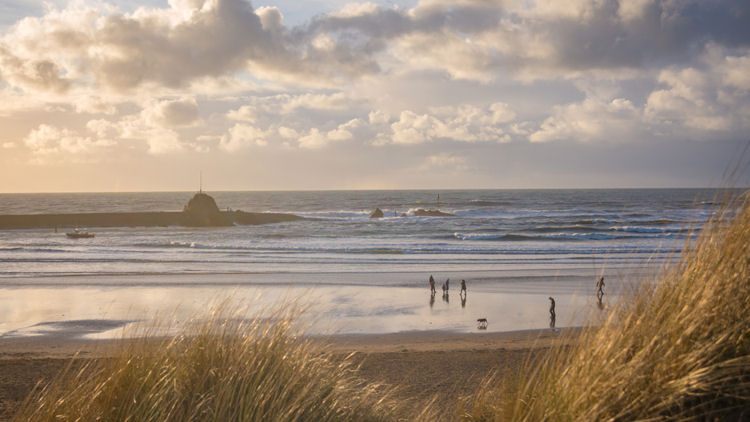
column 463, row 286
column 432, row 285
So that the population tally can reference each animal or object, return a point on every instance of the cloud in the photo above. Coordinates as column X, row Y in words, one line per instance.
column 34, row 74
column 242, row 136
column 313, row 140
column 445, row 162
column 316, row 139
column 50, row 143
column 155, row 125
column 287, row 132
column 171, row 47
column 593, row 120
column 473, row 40
column 172, row 113
column 243, row 114
column 712, row 96
column 465, row 123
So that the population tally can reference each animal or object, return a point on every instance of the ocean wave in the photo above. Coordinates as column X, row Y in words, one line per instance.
column 509, row 237
column 334, row 214
column 185, row 245
column 34, row 249
column 652, row 230
column 478, row 236
column 572, row 227
column 485, row 202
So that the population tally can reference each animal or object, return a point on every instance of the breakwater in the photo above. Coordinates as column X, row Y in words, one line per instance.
column 201, row 211
column 135, row 219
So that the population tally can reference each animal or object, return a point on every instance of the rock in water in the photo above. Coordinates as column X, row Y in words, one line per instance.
column 202, row 211
column 378, row 213
column 432, row 213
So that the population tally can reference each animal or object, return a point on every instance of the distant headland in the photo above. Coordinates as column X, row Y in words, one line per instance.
column 200, row 211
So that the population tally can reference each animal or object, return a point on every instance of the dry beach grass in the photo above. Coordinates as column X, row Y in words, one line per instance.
column 678, row 349
column 223, row 369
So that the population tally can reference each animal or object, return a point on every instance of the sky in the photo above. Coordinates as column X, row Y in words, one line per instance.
column 106, row 96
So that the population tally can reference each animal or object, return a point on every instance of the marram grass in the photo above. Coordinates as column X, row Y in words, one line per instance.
column 678, row 349
column 226, row 369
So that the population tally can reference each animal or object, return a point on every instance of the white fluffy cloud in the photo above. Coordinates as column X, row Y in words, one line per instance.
column 50, row 143
column 464, row 123
column 713, row 97
column 242, row 136
column 592, row 120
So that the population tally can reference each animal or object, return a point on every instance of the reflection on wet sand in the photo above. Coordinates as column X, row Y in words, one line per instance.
column 87, row 310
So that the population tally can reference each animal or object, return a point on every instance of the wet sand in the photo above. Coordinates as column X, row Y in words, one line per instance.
column 422, row 365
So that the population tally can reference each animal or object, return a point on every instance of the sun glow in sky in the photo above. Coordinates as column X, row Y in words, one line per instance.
column 104, row 95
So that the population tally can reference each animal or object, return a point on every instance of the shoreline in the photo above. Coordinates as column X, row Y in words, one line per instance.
column 65, row 347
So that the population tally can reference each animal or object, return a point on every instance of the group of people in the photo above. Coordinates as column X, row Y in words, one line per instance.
column 552, row 315
column 446, row 286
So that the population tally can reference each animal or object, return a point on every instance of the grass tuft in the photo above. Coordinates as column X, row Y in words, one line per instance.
column 679, row 348
column 226, row 369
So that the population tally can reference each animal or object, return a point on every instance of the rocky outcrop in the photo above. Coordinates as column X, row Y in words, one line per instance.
column 378, row 213
column 201, row 211
column 431, row 213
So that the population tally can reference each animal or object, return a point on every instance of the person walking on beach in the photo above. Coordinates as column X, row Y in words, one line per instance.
column 463, row 286
column 447, row 284
column 552, row 313
column 600, row 289
column 432, row 285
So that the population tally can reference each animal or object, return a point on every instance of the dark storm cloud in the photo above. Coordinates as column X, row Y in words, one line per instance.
column 666, row 32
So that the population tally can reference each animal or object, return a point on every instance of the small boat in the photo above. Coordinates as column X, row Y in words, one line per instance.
column 79, row 234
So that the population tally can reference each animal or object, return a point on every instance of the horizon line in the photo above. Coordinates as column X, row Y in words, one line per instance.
column 371, row 190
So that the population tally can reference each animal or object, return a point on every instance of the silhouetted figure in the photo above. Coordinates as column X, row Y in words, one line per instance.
column 432, row 285
column 551, row 313
column 600, row 289
column 463, row 286
column 447, row 284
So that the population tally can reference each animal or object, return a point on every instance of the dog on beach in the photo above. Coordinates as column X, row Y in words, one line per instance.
column 482, row 323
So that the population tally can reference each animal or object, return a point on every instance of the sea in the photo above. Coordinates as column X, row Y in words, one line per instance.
column 500, row 241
